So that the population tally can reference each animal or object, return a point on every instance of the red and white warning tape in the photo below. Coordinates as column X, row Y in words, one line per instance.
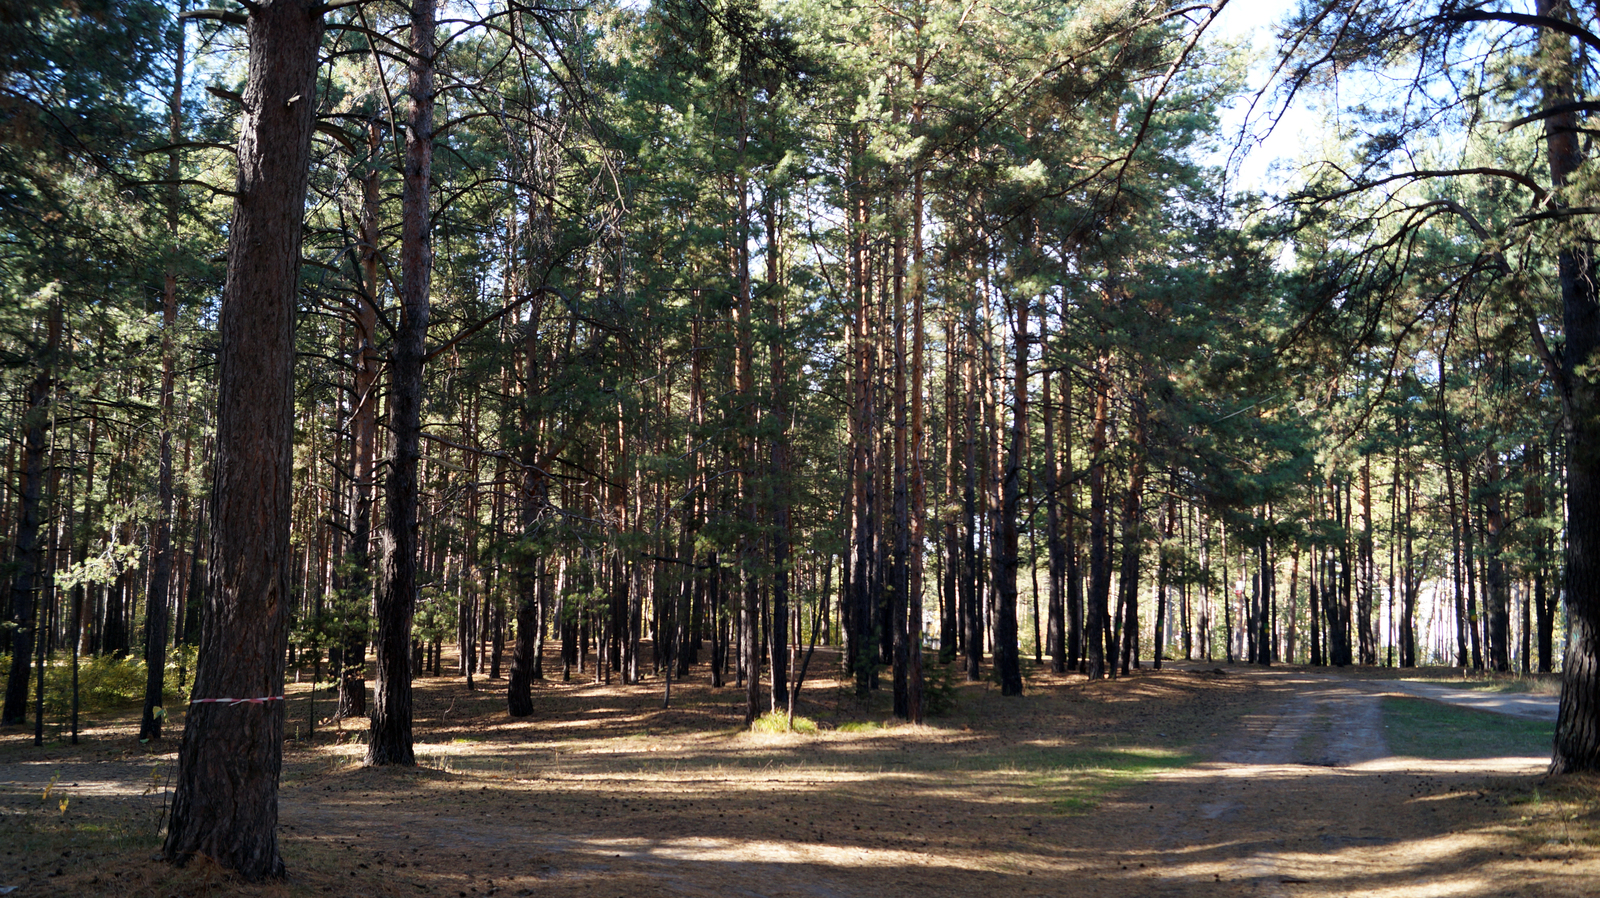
column 236, row 701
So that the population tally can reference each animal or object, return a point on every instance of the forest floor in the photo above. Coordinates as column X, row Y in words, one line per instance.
column 1198, row 780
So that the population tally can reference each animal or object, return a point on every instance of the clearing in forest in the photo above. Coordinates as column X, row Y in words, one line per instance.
column 1202, row 780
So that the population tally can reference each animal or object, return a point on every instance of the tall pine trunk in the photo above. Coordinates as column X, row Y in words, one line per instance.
column 158, row 600
column 389, row 740
column 1577, row 741
column 225, row 805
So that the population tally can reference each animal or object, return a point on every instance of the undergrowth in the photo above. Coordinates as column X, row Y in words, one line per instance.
column 107, row 683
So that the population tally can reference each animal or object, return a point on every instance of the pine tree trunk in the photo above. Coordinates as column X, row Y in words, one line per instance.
column 1497, row 595
column 23, row 584
column 225, row 805
column 1056, row 629
column 778, row 652
column 1469, row 567
column 356, row 601
column 158, row 599
column 1006, row 662
column 389, row 739
column 1074, row 596
column 1099, row 551
column 971, row 610
column 1132, row 540
column 1577, row 742
column 1367, row 572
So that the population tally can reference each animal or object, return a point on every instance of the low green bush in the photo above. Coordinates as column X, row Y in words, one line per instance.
column 938, row 689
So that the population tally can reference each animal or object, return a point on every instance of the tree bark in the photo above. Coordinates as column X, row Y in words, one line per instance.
column 1577, row 741
column 1099, row 551
column 389, row 740
column 1007, row 664
column 225, row 805
column 23, row 585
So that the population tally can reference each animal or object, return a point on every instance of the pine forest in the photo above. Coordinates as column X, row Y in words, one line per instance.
column 748, row 345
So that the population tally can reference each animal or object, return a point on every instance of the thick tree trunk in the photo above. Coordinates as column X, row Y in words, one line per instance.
column 389, row 740
column 225, row 805
column 1577, row 741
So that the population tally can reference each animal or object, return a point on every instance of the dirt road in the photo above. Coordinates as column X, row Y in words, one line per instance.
column 1277, row 783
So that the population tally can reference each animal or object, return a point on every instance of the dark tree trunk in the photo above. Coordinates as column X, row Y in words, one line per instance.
column 950, row 604
column 778, row 643
column 389, row 739
column 1577, row 741
column 158, row 600
column 1132, row 539
column 1055, row 630
column 23, row 617
column 971, row 609
column 1162, row 572
column 355, row 599
column 1497, row 592
column 1099, row 552
column 1074, row 597
column 225, row 805
column 1006, row 662
column 1367, row 571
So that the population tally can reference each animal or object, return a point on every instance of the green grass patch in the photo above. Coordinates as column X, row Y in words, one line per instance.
column 860, row 726
column 778, row 722
column 1547, row 685
column 1080, row 778
column 1422, row 729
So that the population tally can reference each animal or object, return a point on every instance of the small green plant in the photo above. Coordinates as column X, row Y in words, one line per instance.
column 938, row 689
column 778, row 722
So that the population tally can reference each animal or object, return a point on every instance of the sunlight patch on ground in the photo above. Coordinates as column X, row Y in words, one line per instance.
column 1348, row 870
column 713, row 850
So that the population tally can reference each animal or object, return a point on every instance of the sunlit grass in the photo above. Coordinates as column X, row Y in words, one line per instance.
column 1423, row 729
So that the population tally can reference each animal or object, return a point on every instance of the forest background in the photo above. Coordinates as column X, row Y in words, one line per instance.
column 694, row 334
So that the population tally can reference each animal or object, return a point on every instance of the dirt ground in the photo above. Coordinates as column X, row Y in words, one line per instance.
column 1196, row 781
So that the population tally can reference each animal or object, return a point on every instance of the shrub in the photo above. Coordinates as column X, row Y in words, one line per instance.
column 938, row 689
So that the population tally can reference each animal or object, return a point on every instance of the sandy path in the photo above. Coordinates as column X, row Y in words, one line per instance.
column 1307, row 801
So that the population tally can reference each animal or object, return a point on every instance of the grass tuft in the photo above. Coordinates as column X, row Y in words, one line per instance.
column 778, row 722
